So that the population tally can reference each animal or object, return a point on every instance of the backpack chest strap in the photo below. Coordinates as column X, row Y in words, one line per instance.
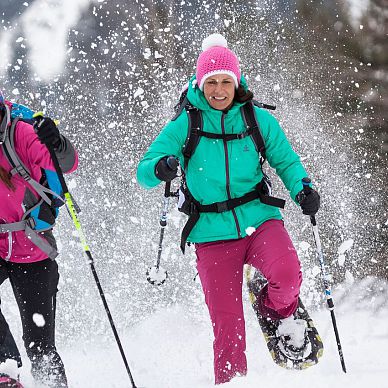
column 221, row 136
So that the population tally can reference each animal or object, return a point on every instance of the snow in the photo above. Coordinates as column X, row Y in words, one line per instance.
column 46, row 35
column 169, row 349
column 138, row 92
column 341, row 259
column 38, row 320
column 342, row 249
column 295, row 329
column 304, row 245
column 357, row 8
column 172, row 348
column 250, row 230
column 315, row 270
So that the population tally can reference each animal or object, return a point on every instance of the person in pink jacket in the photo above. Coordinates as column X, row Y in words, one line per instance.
column 32, row 273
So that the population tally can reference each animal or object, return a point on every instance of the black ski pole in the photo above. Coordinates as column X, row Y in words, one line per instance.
column 73, row 212
column 326, row 282
column 157, row 275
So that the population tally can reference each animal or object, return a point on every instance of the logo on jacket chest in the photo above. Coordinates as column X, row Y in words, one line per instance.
column 246, row 148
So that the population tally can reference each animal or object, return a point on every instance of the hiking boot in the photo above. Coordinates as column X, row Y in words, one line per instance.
column 294, row 342
column 257, row 283
column 9, row 382
column 293, row 339
column 9, row 374
column 48, row 369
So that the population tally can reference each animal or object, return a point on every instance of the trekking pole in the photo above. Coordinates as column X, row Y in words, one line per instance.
column 157, row 275
column 73, row 212
column 326, row 282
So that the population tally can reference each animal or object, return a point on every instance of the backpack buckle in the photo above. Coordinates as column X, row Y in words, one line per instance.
column 242, row 135
column 190, row 107
column 19, row 169
column 193, row 208
column 222, row 206
column 31, row 222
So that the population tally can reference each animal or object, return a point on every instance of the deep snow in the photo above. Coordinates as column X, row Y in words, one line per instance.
column 170, row 349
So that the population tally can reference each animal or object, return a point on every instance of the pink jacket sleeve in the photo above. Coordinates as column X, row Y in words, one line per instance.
column 36, row 154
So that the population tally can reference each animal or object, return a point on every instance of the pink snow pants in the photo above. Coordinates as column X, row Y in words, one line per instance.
column 220, row 268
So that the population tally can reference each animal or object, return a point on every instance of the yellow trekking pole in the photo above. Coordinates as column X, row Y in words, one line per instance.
column 71, row 206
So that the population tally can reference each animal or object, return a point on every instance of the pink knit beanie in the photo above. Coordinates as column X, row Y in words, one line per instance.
column 216, row 58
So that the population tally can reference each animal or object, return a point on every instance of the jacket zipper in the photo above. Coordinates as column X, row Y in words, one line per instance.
column 227, row 172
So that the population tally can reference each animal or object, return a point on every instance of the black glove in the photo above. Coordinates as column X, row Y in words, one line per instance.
column 167, row 168
column 47, row 132
column 309, row 200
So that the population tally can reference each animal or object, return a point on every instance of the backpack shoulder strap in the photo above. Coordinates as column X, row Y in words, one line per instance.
column 4, row 124
column 264, row 106
column 250, row 120
column 178, row 108
column 9, row 151
column 193, row 134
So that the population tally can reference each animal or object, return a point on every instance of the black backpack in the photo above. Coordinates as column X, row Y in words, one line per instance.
column 188, row 204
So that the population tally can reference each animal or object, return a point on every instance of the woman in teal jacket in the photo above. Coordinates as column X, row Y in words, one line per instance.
column 231, row 222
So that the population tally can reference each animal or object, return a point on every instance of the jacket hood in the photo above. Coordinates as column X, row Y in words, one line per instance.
column 197, row 98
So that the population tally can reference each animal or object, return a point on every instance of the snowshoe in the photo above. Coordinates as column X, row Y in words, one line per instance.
column 294, row 342
column 8, row 382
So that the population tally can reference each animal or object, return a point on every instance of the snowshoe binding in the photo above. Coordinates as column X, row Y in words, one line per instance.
column 294, row 342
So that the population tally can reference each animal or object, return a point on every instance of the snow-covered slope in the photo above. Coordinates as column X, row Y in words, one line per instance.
column 173, row 349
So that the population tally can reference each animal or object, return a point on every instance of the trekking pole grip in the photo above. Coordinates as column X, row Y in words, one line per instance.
column 163, row 216
column 172, row 162
column 167, row 189
column 306, row 182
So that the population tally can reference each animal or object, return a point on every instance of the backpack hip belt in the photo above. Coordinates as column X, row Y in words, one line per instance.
column 193, row 208
column 28, row 226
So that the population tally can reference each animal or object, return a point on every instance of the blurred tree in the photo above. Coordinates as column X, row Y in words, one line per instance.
column 373, row 38
column 355, row 90
column 360, row 49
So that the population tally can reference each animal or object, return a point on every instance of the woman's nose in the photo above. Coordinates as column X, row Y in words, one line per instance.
column 218, row 86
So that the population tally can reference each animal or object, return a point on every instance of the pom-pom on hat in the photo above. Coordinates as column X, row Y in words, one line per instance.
column 216, row 58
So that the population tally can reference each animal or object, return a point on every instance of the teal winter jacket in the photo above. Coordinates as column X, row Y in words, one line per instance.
column 216, row 168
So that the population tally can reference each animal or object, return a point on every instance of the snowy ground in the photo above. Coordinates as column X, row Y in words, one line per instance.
column 170, row 350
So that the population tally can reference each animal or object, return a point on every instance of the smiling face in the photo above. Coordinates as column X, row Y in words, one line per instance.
column 219, row 90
